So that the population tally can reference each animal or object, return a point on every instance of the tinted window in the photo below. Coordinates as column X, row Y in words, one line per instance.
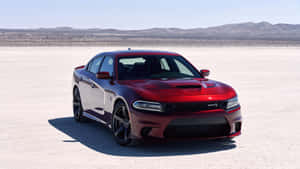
column 164, row 64
column 107, row 65
column 152, row 67
column 183, row 68
column 95, row 64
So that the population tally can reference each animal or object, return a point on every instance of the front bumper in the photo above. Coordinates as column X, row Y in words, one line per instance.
column 207, row 124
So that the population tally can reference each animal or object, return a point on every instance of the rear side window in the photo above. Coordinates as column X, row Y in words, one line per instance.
column 107, row 65
column 95, row 64
column 164, row 64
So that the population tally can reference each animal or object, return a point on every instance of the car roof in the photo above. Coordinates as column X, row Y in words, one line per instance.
column 138, row 52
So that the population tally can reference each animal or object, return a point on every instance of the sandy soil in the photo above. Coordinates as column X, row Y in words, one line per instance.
column 37, row 131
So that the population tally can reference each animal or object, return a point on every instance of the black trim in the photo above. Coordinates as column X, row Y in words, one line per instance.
column 198, row 121
column 99, row 108
column 197, row 127
column 193, row 106
column 107, row 117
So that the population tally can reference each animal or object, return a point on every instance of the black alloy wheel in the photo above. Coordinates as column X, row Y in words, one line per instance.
column 77, row 106
column 121, row 124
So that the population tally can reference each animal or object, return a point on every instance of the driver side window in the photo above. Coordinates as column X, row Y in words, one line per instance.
column 95, row 64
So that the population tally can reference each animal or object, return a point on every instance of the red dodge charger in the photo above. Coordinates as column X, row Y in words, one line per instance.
column 154, row 94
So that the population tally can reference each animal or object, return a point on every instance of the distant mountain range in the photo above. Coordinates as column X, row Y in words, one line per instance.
column 262, row 33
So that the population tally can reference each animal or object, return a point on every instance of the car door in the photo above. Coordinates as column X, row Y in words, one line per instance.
column 99, row 94
column 87, row 84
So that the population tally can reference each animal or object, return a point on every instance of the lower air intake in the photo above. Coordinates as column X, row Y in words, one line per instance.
column 181, row 128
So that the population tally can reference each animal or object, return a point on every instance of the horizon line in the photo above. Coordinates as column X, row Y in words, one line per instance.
column 87, row 28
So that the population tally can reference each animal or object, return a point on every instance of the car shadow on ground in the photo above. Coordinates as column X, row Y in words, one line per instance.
column 99, row 138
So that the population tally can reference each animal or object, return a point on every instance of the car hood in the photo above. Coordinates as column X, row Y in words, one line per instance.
column 180, row 90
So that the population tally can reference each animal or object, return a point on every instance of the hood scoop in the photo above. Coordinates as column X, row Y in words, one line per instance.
column 189, row 86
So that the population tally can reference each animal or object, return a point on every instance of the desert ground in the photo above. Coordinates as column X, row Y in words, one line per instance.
column 37, row 129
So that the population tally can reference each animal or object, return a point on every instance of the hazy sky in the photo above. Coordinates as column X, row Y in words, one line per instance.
column 137, row 14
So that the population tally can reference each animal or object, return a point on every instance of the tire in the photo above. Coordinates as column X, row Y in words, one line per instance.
column 77, row 106
column 121, row 126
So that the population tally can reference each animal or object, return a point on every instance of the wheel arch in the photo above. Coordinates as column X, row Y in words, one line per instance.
column 122, row 99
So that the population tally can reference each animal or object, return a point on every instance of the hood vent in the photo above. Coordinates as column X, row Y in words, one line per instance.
column 189, row 86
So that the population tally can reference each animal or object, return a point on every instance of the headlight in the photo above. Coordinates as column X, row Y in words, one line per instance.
column 145, row 105
column 232, row 103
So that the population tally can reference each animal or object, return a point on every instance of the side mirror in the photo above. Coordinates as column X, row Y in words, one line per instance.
column 204, row 72
column 103, row 75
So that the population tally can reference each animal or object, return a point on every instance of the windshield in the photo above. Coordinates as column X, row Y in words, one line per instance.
column 155, row 67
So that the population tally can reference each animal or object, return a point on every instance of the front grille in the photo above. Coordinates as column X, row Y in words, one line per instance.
column 194, row 106
column 197, row 127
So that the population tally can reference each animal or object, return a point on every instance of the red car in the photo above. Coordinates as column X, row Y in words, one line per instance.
column 154, row 94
